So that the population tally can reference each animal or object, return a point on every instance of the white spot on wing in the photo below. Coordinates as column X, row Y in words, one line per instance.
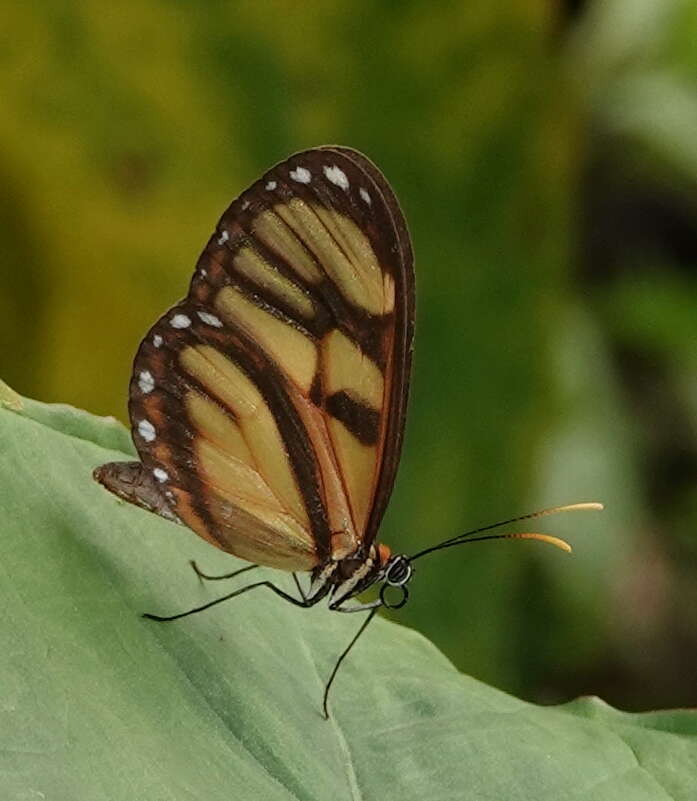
column 301, row 175
column 337, row 176
column 245, row 205
column 160, row 474
column 180, row 321
column 271, row 186
column 210, row 319
column 157, row 340
column 146, row 430
column 366, row 197
column 146, row 382
column 223, row 238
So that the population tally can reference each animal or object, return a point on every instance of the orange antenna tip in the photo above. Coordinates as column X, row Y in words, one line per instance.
column 569, row 507
column 589, row 505
column 548, row 538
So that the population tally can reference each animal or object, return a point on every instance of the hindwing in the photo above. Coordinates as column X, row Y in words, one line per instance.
column 268, row 406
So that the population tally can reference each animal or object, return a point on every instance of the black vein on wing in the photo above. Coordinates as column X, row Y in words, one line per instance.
column 362, row 421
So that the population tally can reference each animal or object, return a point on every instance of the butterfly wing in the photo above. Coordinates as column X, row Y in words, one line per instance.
column 268, row 406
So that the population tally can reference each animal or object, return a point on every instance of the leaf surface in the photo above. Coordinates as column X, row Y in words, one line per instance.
column 99, row 704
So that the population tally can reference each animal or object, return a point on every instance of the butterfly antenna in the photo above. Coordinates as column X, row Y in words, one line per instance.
column 469, row 536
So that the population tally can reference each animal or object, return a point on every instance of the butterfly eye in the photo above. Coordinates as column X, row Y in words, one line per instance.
column 398, row 571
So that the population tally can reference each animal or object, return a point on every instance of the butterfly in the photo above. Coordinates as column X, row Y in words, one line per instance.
column 268, row 406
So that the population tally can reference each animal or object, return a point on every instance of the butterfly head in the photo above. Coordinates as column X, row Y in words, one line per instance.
column 396, row 574
column 359, row 572
column 393, row 571
column 398, row 570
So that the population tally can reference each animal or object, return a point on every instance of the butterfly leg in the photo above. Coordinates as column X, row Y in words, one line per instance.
column 299, row 586
column 364, row 625
column 303, row 602
column 208, row 577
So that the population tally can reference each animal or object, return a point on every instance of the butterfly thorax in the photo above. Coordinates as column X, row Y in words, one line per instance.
column 344, row 578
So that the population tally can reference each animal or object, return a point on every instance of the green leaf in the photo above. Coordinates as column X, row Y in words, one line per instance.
column 99, row 704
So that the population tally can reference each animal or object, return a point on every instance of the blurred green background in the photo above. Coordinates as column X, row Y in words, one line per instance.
column 545, row 154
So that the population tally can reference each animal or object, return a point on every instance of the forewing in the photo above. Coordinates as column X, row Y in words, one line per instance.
column 269, row 404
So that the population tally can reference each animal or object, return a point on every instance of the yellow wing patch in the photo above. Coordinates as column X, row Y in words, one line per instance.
column 346, row 367
column 292, row 351
column 224, row 379
column 355, row 270
column 213, row 424
column 256, row 533
column 274, row 233
column 252, row 266
column 358, row 465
